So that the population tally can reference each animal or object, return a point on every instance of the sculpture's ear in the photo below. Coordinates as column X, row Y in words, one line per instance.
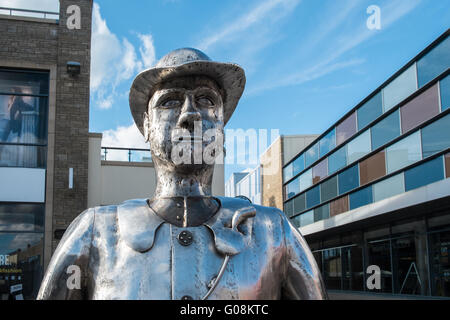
column 146, row 126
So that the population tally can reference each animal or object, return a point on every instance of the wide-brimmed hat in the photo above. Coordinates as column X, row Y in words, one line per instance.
column 184, row 62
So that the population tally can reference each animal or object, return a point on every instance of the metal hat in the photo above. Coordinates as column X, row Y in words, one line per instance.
column 185, row 62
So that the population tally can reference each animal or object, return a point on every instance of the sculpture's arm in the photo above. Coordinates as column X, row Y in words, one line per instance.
column 65, row 278
column 303, row 279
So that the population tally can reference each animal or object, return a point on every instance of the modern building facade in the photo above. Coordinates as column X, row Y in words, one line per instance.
column 246, row 183
column 44, row 123
column 374, row 189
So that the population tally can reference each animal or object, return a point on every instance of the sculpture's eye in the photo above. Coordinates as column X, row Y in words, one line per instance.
column 205, row 101
column 171, row 103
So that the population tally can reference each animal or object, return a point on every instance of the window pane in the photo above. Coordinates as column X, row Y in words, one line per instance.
column 361, row 198
column 319, row 171
column 372, row 168
column 312, row 155
column 445, row 93
column 346, row 129
column 386, row 130
column 328, row 143
column 339, row 206
column 332, row 266
column 420, row 109
column 289, row 208
column 400, row 88
column 300, row 203
column 388, row 188
column 369, row 111
column 23, row 156
column 299, row 164
column 296, row 221
column 24, row 82
column 348, row 179
column 313, row 197
column 305, row 180
column 288, row 172
column 292, row 188
column 359, row 147
column 22, row 217
column 404, row 152
column 380, row 255
column 434, row 62
column 322, row 213
column 426, row 173
column 447, row 165
column 328, row 189
column 337, row 160
column 436, row 136
column 307, row 218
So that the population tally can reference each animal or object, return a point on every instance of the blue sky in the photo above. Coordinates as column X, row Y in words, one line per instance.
column 307, row 61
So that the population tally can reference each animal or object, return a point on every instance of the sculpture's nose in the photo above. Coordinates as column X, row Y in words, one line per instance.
column 189, row 115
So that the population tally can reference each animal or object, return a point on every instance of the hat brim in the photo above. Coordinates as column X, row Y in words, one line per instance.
column 230, row 77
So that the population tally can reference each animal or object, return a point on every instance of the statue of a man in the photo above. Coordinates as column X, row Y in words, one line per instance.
column 183, row 243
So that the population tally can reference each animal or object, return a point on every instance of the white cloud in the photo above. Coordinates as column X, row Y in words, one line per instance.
column 125, row 137
column 114, row 61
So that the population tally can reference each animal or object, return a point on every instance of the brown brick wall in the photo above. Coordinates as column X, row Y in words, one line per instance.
column 272, row 179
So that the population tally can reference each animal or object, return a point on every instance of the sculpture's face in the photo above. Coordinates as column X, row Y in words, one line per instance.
column 184, row 123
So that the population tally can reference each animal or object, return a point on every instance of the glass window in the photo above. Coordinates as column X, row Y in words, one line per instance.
column 440, row 263
column 436, row 136
column 312, row 155
column 292, row 188
column 445, row 93
column 299, row 164
column 329, row 189
column 447, row 165
column 426, row 173
column 305, row 180
column 389, row 187
column 434, row 62
column 300, row 203
column 320, row 171
column 313, row 197
column 399, row 88
column 348, row 179
column 332, row 268
column 327, row 143
column 386, row 130
column 304, row 219
column 352, row 268
column 420, row 109
column 346, row 129
column 339, row 206
column 322, row 213
column 361, row 198
column 369, row 111
column 359, row 147
column 372, row 168
column 405, row 275
column 288, row 172
column 296, row 221
column 22, row 217
column 289, row 208
column 380, row 255
column 337, row 160
column 404, row 152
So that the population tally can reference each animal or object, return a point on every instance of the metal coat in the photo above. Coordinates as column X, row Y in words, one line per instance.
column 129, row 252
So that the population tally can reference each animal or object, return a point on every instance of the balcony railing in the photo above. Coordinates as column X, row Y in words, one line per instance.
column 126, row 154
column 29, row 13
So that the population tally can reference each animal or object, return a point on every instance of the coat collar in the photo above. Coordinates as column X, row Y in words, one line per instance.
column 138, row 225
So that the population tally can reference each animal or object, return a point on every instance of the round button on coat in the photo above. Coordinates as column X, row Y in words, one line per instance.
column 185, row 238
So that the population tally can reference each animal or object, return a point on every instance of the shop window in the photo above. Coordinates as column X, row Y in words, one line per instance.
column 337, row 160
column 370, row 111
column 434, row 62
column 23, row 118
column 404, row 152
column 445, row 93
column 361, row 198
column 332, row 268
column 420, row 109
column 313, row 197
column 359, row 147
column 399, row 88
column 305, row 180
column 426, row 173
column 300, row 203
column 322, row 213
column 348, row 179
column 312, row 155
column 406, row 274
column 372, row 168
column 319, row 171
column 329, row 189
column 346, row 129
column 352, row 268
column 436, row 136
column 386, row 130
column 389, row 187
column 327, row 143
column 440, row 263
column 380, row 255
